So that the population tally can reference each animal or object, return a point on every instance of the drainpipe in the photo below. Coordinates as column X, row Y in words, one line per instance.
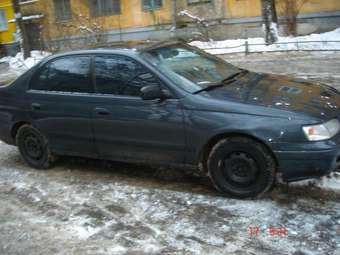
column 174, row 14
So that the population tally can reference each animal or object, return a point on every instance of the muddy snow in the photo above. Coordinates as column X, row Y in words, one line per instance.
column 96, row 207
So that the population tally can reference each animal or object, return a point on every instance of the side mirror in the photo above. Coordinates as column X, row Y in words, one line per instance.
column 152, row 92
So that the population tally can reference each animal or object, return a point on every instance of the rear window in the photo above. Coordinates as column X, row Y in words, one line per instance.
column 67, row 74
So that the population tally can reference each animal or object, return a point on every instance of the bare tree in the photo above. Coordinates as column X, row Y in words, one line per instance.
column 92, row 27
column 21, row 29
column 291, row 10
column 201, row 24
column 269, row 21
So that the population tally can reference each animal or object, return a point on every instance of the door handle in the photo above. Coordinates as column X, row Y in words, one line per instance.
column 36, row 106
column 102, row 111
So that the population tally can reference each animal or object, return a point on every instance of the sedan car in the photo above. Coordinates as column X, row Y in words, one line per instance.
column 173, row 104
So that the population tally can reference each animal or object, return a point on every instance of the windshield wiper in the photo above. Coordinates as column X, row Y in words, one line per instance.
column 224, row 82
column 234, row 75
column 213, row 86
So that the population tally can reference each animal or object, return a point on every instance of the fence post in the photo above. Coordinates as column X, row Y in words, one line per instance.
column 246, row 47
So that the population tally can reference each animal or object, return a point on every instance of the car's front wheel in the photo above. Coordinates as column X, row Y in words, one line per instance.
column 241, row 167
column 34, row 147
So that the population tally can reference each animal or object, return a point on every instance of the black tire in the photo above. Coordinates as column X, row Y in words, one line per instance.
column 241, row 167
column 34, row 147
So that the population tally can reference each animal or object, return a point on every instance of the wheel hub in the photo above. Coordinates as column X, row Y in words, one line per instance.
column 33, row 147
column 240, row 167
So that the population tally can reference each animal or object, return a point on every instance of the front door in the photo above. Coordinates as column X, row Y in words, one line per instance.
column 60, row 100
column 127, row 127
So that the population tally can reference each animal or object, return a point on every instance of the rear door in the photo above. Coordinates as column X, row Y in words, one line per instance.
column 127, row 127
column 60, row 100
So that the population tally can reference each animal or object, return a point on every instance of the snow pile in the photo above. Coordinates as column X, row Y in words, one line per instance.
column 19, row 64
column 309, row 42
column 331, row 182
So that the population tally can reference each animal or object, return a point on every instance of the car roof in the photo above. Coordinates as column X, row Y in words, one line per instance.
column 133, row 49
column 96, row 51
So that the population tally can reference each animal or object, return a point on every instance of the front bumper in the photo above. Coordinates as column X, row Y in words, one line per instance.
column 305, row 164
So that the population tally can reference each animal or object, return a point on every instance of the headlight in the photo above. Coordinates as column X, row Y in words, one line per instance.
column 322, row 131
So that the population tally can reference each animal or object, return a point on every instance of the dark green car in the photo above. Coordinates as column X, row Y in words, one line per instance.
column 172, row 104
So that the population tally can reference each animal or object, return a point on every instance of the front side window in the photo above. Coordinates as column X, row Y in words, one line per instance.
column 104, row 7
column 152, row 4
column 62, row 10
column 188, row 67
column 120, row 75
column 69, row 74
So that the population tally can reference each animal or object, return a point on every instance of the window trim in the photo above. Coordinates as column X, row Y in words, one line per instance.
column 104, row 14
column 163, row 80
column 23, row 2
column 40, row 68
column 152, row 9
column 58, row 20
column 199, row 2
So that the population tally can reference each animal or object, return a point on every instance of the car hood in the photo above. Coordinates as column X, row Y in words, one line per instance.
column 281, row 92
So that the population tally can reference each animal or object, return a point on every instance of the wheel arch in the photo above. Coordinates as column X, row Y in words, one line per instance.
column 205, row 150
column 16, row 127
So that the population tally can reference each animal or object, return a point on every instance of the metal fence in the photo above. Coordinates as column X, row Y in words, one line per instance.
column 248, row 48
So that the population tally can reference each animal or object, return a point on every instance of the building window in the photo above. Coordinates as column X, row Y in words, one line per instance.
column 3, row 20
column 62, row 10
column 104, row 7
column 152, row 4
column 198, row 1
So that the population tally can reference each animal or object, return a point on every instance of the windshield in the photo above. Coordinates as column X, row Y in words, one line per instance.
column 189, row 68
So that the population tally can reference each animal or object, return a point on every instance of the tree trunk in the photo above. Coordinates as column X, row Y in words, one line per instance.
column 269, row 21
column 22, row 31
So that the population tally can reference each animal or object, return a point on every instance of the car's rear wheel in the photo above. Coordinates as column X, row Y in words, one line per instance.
column 34, row 147
column 241, row 167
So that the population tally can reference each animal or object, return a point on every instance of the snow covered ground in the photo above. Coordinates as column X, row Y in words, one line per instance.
column 309, row 42
column 93, row 207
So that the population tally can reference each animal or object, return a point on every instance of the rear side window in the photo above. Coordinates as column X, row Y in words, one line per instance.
column 121, row 75
column 68, row 74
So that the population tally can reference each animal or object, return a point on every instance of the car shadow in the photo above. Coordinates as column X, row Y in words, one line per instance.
column 187, row 180
column 142, row 175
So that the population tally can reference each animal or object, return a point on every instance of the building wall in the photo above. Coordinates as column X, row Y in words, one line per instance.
column 243, row 8
column 208, row 10
column 7, row 35
column 233, row 19
column 132, row 15
column 252, row 8
column 320, row 6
